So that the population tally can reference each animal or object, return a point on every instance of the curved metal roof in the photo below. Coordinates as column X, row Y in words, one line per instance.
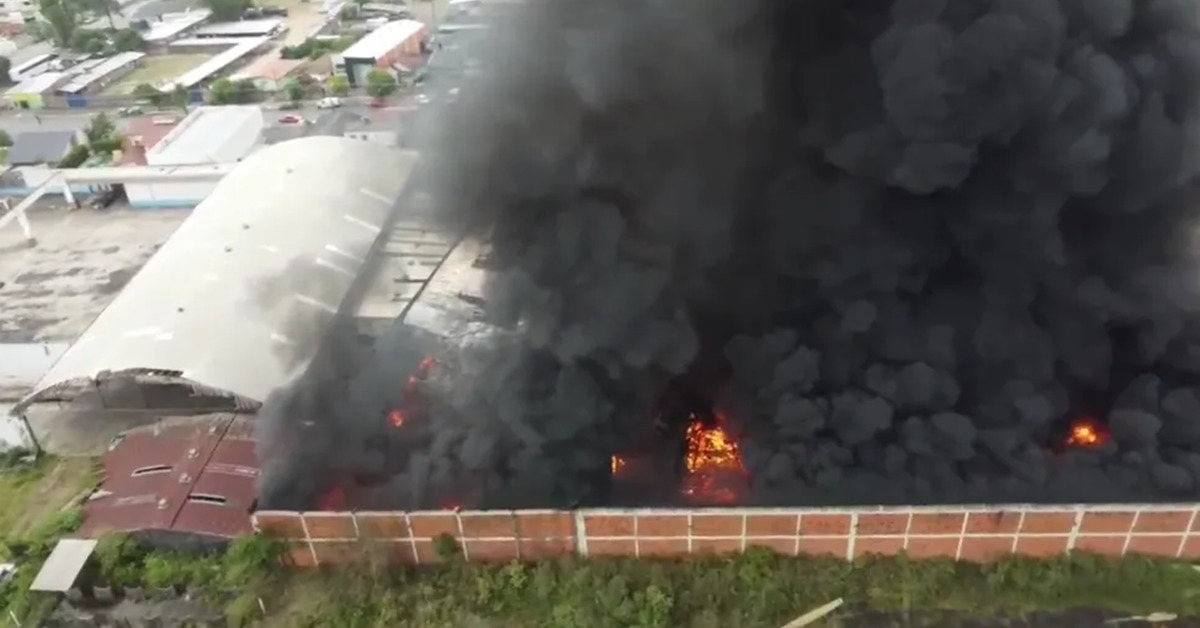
column 240, row 297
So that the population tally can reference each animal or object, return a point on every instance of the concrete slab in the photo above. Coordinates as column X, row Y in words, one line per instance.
column 53, row 290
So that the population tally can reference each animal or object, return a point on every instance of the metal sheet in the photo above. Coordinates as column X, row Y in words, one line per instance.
column 63, row 566
column 240, row 297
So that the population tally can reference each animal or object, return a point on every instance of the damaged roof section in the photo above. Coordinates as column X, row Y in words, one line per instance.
column 190, row 475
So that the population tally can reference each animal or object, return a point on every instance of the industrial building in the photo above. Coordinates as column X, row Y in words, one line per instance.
column 384, row 48
column 171, row 26
column 110, row 70
column 233, row 305
column 266, row 27
column 208, row 135
column 31, row 93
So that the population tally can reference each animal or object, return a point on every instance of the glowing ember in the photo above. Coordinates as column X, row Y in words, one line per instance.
column 1085, row 433
column 335, row 499
column 396, row 418
column 618, row 463
column 714, row 464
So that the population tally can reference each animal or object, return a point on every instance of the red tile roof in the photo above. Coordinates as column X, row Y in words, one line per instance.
column 148, row 133
column 187, row 474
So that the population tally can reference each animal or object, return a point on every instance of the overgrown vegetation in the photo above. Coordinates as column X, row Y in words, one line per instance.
column 757, row 589
column 102, row 141
column 229, row 92
column 380, row 83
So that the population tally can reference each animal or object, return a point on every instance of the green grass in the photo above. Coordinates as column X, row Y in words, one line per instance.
column 758, row 589
column 156, row 69
column 32, row 493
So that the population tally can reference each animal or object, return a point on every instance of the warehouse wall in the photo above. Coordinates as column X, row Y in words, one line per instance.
column 967, row 533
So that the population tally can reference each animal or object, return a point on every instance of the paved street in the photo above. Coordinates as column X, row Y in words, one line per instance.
column 16, row 122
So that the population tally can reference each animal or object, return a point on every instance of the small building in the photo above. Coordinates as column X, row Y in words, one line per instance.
column 31, row 92
column 385, row 47
column 111, row 70
column 266, row 27
column 208, row 135
column 35, row 154
column 269, row 71
column 171, row 26
column 32, row 67
column 183, row 480
column 142, row 134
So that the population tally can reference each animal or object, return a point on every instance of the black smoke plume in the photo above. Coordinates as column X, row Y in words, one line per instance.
column 900, row 245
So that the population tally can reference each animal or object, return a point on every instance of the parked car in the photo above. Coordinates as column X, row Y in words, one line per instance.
column 126, row 112
column 377, row 104
column 329, row 103
column 291, row 119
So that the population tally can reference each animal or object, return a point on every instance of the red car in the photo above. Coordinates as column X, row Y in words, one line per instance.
column 377, row 104
column 291, row 119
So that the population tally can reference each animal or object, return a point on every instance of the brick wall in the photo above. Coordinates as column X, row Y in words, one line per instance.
column 968, row 533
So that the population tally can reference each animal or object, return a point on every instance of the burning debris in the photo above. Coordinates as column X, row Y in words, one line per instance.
column 901, row 245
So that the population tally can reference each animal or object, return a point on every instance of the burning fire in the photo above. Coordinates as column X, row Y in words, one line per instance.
column 714, row 464
column 396, row 419
column 618, row 463
column 1086, row 433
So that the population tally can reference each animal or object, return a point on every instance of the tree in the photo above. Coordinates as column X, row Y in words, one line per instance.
column 62, row 18
column 148, row 93
column 339, row 85
column 179, row 98
column 100, row 128
column 5, row 71
column 380, row 83
column 222, row 92
column 5, row 139
column 294, row 90
column 102, row 7
column 227, row 10
column 127, row 40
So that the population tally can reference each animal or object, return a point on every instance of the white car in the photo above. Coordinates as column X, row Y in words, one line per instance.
column 329, row 103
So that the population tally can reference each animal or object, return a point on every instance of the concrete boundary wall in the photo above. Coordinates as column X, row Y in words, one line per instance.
column 976, row 533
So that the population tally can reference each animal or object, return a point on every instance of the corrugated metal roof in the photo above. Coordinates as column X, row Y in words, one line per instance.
column 172, row 25
column 201, row 133
column 264, row 26
column 240, row 297
column 37, row 84
column 202, row 72
column 60, row 570
column 110, row 65
column 381, row 40
column 188, row 474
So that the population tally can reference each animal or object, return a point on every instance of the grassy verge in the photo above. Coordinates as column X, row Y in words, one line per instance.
column 35, row 511
column 757, row 589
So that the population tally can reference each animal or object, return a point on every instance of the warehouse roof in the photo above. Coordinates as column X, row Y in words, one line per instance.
column 381, row 40
column 239, row 299
column 243, row 28
column 37, row 84
column 198, row 136
column 202, row 72
column 40, row 147
column 113, row 64
column 187, row 474
column 173, row 24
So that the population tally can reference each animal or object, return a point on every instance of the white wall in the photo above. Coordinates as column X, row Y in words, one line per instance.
column 168, row 195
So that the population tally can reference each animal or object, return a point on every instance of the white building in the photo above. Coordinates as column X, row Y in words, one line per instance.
column 208, row 135
column 239, row 299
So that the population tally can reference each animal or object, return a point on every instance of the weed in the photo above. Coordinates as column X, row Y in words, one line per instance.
column 446, row 547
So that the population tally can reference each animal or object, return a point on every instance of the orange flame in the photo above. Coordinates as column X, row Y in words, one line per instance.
column 396, row 418
column 713, row 459
column 618, row 463
column 1086, row 433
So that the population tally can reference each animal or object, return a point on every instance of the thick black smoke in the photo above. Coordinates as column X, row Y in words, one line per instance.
column 902, row 245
